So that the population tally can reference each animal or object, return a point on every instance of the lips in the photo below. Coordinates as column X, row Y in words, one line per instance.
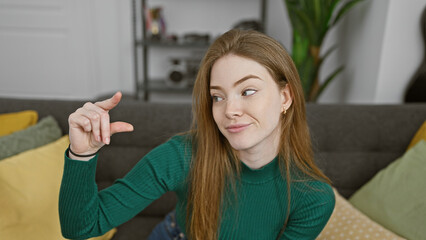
column 236, row 128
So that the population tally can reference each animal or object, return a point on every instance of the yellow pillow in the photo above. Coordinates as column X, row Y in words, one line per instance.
column 420, row 135
column 29, row 193
column 12, row 122
column 346, row 222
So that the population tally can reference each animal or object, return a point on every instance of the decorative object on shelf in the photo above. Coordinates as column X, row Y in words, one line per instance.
column 416, row 90
column 196, row 38
column 182, row 72
column 311, row 20
column 155, row 24
column 192, row 66
column 176, row 77
column 172, row 38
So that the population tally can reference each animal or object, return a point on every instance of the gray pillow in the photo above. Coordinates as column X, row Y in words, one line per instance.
column 45, row 131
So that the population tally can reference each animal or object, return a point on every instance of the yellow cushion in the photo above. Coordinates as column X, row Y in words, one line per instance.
column 29, row 193
column 346, row 222
column 12, row 122
column 420, row 135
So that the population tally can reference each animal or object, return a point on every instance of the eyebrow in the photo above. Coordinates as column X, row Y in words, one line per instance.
column 250, row 76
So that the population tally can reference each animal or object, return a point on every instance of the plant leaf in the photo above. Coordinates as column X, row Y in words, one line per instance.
column 300, row 49
column 317, row 12
column 308, row 25
column 333, row 5
column 328, row 80
column 326, row 54
column 327, row 18
column 344, row 9
column 307, row 71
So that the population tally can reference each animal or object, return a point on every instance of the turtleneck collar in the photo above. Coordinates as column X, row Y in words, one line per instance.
column 261, row 175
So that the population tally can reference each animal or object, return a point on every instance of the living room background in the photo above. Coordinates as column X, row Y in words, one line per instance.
column 83, row 49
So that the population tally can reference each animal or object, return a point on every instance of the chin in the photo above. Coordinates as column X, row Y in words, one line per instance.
column 240, row 141
column 239, row 145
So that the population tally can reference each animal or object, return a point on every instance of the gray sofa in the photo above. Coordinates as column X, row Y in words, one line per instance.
column 351, row 142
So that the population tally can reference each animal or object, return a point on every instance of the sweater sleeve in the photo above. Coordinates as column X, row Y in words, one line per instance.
column 315, row 204
column 84, row 212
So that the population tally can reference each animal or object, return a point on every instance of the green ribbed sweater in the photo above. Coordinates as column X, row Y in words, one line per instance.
column 259, row 213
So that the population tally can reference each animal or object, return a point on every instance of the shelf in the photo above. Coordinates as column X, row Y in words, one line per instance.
column 141, row 44
column 161, row 86
column 171, row 44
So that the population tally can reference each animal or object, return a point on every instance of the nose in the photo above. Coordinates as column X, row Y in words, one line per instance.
column 233, row 108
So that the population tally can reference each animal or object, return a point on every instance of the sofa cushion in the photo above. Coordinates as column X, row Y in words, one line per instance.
column 44, row 132
column 12, row 122
column 395, row 197
column 29, row 193
column 346, row 222
column 420, row 135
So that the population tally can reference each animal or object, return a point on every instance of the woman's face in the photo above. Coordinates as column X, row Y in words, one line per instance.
column 247, row 105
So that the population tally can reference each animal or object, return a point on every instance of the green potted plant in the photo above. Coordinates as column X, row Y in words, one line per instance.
column 311, row 20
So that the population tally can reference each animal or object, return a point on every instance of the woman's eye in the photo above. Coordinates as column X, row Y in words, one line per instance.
column 249, row 92
column 217, row 98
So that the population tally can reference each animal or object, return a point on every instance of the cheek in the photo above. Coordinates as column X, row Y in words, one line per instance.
column 270, row 113
column 216, row 115
column 267, row 104
column 271, row 117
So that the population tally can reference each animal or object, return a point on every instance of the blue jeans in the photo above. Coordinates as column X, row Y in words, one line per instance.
column 167, row 229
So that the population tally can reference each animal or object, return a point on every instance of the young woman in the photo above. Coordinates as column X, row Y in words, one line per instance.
column 244, row 171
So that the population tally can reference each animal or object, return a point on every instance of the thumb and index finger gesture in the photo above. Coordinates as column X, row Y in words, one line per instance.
column 110, row 103
column 115, row 127
column 90, row 126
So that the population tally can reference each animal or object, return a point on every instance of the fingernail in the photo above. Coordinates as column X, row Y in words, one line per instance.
column 98, row 138
column 107, row 140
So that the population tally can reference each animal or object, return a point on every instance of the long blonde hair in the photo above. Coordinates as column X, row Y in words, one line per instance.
column 214, row 163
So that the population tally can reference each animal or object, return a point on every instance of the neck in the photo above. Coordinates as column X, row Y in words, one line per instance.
column 260, row 155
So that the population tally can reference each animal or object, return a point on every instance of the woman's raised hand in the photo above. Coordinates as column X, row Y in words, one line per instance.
column 90, row 127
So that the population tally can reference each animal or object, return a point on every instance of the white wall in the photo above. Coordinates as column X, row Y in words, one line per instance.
column 64, row 49
column 278, row 24
column 402, row 52
column 381, row 46
column 359, row 37
column 83, row 48
column 113, row 50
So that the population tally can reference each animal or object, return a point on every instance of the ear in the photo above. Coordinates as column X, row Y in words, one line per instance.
column 286, row 98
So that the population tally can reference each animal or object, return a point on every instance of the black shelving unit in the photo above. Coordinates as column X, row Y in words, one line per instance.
column 145, row 85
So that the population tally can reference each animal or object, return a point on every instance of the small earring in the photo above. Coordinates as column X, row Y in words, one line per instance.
column 285, row 111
